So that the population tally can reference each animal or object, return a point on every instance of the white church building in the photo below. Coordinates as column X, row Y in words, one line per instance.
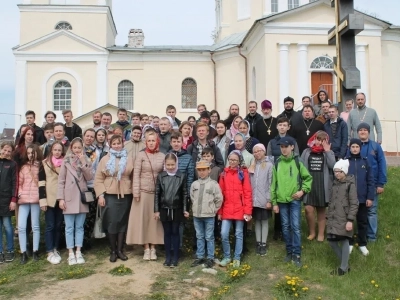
column 263, row 49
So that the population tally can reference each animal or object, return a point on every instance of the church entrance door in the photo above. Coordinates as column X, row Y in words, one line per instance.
column 322, row 80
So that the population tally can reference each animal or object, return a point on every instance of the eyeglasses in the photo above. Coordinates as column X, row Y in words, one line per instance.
column 233, row 160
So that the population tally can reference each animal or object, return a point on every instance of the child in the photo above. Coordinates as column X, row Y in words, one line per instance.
column 237, row 205
column 239, row 141
column 49, row 135
column 342, row 211
column 206, row 197
column 273, row 149
column 360, row 168
column 290, row 182
column 28, row 194
column 8, row 199
column 261, row 177
column 170, row 205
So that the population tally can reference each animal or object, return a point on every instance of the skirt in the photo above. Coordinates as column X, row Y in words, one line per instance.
column 175, row 215
column 142, row 227
column 116, row 213
column 261, row 213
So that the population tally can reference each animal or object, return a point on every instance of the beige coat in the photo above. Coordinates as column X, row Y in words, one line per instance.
column 133, row 148
column 206, row 197
column 68, row 190
column 108, row 183
column 144, row 175
column 50, row 184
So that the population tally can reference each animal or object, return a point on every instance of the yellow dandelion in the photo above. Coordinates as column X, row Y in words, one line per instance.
column 362, row 293
column 388, row 236
column 293, row 289
column 289, row 282
column 296, row 295
column 376, row 285
column 373, row 281
column 287, row 277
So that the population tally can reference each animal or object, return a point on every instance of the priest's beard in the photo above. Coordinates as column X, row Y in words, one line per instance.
column 267, row 116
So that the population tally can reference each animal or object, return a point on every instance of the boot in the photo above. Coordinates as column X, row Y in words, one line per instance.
column 120, row 244
column 113, row 257
column 36, row 255
column 24, row 258
column 113, row 244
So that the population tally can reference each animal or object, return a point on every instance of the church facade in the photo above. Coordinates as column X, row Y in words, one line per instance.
column 264, row 49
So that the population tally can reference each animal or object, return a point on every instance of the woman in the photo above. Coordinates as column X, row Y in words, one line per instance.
column 143, row 229
column 222, row 140
column 250, row 142
column 75, row 172
column 113, row 186
column 214, row 118
column 319, row 160
column 186, row 129
column 192, row 120
column 48, row 180
column 49, row 117
column 239, row 143
column 234, row 127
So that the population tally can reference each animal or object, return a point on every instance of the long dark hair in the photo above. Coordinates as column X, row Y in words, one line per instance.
column 38, row 154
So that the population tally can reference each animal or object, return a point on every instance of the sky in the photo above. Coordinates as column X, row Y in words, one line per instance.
column 176, row 22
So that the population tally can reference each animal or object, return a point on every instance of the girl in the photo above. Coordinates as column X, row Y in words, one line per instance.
column 239, row 142
column 319, row 160
column 214, row 118
column 101, row 146
column 192, row 120
column 8, row 198
column 261, row 178
column 237, row 205
column 28, row 194
column 27, row 138
column 186, row 129
column 234, row 127
column 142, row 229
column 76, row 169
column 48, row 180
column 113, row 186
column 170, row 206
column 222, row 140
column 342, row 211
column 250, row 142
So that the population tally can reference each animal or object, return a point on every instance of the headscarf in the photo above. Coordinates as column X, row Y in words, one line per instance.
column 144, row 129
column 241, row 163
column 247, row 135
column 176, row 165
column 234, row 130
column 110, row 166
column 156, row 149
column 313, row 147
column 244, row 141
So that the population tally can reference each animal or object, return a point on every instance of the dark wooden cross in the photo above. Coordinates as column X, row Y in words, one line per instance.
column 343, row 35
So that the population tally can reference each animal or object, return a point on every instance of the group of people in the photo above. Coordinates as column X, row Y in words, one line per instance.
column 138, row 180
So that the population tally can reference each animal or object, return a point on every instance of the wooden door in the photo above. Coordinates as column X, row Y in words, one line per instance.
column 324, row 80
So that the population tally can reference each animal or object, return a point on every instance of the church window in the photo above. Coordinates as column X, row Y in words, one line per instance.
column 322, row 62
column 274, row 6
column 293, row 4
column 62, row 95
column 243, row 9
column 189, row 93
column 63, row 25
column 125, row 94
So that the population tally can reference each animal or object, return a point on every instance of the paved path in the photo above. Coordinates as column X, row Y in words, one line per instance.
column 393, row 161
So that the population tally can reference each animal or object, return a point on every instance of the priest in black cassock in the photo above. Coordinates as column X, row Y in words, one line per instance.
column 304, row 128
column 265, row 128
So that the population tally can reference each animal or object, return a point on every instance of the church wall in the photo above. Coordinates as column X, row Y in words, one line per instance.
column 256, row 59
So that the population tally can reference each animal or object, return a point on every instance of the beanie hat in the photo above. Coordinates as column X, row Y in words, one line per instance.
column 342, row 165
column 364, row 126
column 355, row 141
column 261, row 146
column 288, row 99
column 266, row 104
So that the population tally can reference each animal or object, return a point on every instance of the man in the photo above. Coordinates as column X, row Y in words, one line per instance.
column 97, row 119
column 165, row 135
column 364, row 114
column 289, row 112
column 30, row 118
column 265, row 129
column 305, row 127
column 336, row 128
column 349, row 106
column 233, row 112
column 71, row 129
column 171, row 111
column 321, row 96
column 253, row 116
column 135, row 144
column 122, row 122
column 144, row 120
column 136, row 119
column 376, row 159
column 324, row 115
column 106, row 120
column 306, row 100
column 205, row 118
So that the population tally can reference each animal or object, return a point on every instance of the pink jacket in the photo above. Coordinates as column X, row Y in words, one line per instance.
column 28, row 185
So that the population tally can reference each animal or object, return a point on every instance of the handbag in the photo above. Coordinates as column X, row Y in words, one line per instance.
column 86, row 197
column 98, row 225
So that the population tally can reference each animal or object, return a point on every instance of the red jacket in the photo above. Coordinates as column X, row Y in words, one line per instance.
column 237, row 195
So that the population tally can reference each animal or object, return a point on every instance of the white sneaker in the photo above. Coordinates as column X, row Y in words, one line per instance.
column 351, row 249
column 79, row 258
column 51, row 259
column 153, row 254
column 71, row 259
column 146, row 255
column 57, row 255
column 364, row 250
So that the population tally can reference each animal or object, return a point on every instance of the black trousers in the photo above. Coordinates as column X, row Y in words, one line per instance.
column 362, row 225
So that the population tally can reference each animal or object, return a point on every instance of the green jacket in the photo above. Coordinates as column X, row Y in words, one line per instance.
column 285, row 180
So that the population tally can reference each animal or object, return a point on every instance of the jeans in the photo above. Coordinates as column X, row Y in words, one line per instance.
column 6, row 222
column 373, row 220
column 226, row 247
column 74, row 221
column 54, row 218
column 171, row 239
column 23, row 213
column 290, row 218
column 204, row 232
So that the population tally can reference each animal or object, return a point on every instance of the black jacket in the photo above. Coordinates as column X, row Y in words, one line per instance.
column 194, row 152
column 252, row 121
column 165, row 142
column 76, row 131
column 171, row 192
column 8, row 186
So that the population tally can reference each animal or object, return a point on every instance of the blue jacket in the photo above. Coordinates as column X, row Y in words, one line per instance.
column 185, row 166
column 360, row 168
column 339, row 141
column 376, row 159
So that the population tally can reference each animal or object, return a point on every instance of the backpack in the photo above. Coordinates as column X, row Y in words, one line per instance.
column 296, row 160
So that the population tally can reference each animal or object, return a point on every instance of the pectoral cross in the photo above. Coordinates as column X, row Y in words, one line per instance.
column 308, row 132
column 269, row 131
column 347, row 26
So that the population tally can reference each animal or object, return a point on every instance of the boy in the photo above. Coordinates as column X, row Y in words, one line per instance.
column 171, row 111
column 49, row 135
column 165, row 135
column 144, row 120
column 135, row 120
column 290, row 181
column 123, row 122
column 206, row 197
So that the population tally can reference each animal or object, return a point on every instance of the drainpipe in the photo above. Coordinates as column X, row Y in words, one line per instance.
column 246, row 81
column 215, row 81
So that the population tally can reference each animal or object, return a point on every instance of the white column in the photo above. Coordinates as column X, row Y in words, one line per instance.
column 20, row 93
column 101, row 97
column 283, row 73
column 361, row 62
column 303, row 87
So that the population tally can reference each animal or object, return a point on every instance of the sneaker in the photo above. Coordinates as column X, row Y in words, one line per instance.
column 2, row 260
column 236, row 263
column 167, row 263
column 364, row 250
column 296, row 260
column 57, row 255
column 71, row 259
column 209, row 263
column 258, row 248
column 288, row 258
column 52, row 259
column 9, row 256
column 153, row 254
column 197, row 262
column 225, row 262
column 263, row 249
column 79, row 258
column 174, row 264
column 146, row 255
column 351, row 249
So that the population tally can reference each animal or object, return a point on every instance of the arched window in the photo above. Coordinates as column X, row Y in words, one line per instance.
column 189, row 93
column 322, row 62
column 125, row 94
column 62, row 95
column 254, row 83
column 63, row 25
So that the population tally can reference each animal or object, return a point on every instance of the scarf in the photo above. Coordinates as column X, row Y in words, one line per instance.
column 234, row 130
column 122, row 124
column 110, row 166
column 244, row 141
column 247, row 135
column 156, row 148
column 314, row 148
column 57, row 161
column 176, row 166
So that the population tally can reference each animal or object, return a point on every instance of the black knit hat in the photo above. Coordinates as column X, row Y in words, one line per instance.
column 288, row 98
column 355, row 141
column 364, row 126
